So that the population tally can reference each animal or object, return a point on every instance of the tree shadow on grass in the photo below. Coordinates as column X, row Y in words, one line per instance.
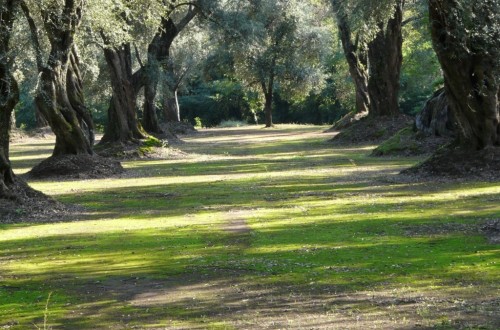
column 323, row 273
column 341, row 248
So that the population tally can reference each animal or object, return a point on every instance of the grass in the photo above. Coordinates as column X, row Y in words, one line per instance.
column 332, row 240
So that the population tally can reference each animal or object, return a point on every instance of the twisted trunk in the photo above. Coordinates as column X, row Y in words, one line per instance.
column 436, row 118
column 39, row 119
column 149, row 116
column 385, row 59
column 357, row 59
column 123, row 125
column 472, row 81
column 58, row 97
column 9, row 95
column 158, row 61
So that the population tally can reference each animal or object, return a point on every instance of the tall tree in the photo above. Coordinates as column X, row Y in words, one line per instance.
column 385, row 57
column 118, row 44
column 123, row 124
column 276, row 45
column 466, row 35
column 9, row 93
column 373, row 51
column 159, row 60
column 39, row 59
column 356, row 54
column 59, row 95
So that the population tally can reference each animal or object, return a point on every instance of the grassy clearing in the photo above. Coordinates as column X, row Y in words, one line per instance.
column 255, row 229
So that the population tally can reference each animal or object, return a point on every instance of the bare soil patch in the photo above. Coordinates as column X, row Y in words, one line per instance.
column 492, row 231
column 179, row 128
column 224, row 294
column 409, row 142
column 132, row 151
column 32, row 206
column 347, row 121
column 456, row 163
column 236, row 223
column 76, row 166
column 371, row 130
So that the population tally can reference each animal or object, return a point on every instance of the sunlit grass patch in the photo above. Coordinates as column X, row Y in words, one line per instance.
column 254, row 225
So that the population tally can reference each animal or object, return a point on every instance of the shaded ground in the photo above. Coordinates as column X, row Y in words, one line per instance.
column 256, row 229
column 32, row 206
column 408, row 142
column 371, row 130
column 454, row 163
column 76, row 166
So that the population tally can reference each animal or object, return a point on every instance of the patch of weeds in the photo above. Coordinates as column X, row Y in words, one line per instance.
column 402, row 142
column 379, row 133
column 148, row 145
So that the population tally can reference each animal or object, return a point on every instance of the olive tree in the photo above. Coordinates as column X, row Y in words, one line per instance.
column 275, row 44
column 466, row 35
column 59, row 96
column 371, row 36
column 9, row 92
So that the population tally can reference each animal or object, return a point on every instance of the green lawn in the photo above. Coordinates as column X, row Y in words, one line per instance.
column 254, row 229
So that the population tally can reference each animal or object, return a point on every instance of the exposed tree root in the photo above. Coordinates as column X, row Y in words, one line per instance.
column 408, row 142
column 76, row 166
column 347, row 121
column 457, row 163
column 372, row 130
column 24, row 204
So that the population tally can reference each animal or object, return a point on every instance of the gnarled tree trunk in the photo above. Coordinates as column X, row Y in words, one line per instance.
column 356, row 56
column 123, row 125
column 9, row 95
column 40, row 121
column 58, row 97
column 158, row 60
column 385, row 59
column 470, row 63
column 436, row 118
column 150, row 120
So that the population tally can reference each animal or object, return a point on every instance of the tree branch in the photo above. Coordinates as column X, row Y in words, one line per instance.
column 34, row 35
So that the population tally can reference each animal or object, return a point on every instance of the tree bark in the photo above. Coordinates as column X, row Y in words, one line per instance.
column 436, row 118
column 40, row 121
column 56, row 96
column 123, row 125
column 269, row 94
column 385, row 59
column 268, row 109
column 471, row 77
column 171, row 109
column 9, row 95
column 158, row 60
column 13, row 121
column 357, row 59
column 150, row 120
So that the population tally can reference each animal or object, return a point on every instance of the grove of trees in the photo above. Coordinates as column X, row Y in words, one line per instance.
column 125, row 67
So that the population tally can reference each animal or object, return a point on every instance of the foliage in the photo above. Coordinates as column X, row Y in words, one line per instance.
column 216, row 101
column 421, row 74
column 276, row 42
column 225, row 48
